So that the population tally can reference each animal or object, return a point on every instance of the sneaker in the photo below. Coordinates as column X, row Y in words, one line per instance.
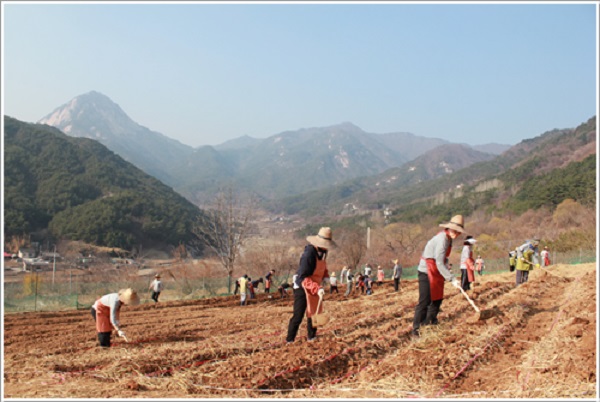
column 311, row 339
column 415, row 333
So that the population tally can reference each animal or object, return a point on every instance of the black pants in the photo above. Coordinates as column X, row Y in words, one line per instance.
column 396, row 284
column 103, row 337
column 298, row 315
column 464, row 280
column 426, row 310
column 332, row 288
column 155, row 296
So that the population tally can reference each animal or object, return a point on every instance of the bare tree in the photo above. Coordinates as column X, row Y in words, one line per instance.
column 275, row 254
column 353, row 246
column 399, row 241
column 225, row 227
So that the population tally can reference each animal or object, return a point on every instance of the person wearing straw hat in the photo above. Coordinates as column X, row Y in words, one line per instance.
column 433, row 270
column 396, row 274
column 467, row 264
column 156, row 287
column 106, row 312
column 307, row 286
column 333, row 284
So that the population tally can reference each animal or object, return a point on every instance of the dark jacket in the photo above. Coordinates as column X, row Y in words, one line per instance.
column 308, row 263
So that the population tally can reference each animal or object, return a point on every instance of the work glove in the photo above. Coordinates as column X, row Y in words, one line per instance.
column 321, row 292
column 310, row 286
column 455, row 283
column 121, row 333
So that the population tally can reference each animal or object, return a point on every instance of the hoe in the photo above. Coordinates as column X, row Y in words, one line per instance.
column 482, row 315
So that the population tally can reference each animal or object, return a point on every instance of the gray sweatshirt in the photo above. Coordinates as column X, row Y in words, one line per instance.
column 436, row 249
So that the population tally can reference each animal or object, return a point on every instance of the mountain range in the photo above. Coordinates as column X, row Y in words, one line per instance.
column 285, row 164
column 80, row 189
column 426, row 182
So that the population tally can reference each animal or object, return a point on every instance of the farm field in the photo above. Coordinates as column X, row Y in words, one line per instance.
column 541, row 342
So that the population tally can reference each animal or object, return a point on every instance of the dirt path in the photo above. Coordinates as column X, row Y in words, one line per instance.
column 541, row 343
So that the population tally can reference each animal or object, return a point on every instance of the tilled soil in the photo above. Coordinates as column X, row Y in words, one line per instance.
column 539, row 343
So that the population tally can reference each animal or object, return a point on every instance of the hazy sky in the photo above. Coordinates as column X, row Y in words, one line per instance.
column 205, row 73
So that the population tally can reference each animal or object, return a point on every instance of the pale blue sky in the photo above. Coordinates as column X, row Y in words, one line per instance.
column 206, row 73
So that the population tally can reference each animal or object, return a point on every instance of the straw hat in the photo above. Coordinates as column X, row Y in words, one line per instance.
column 395, row 261
column 157, row 276
column 129, row 297
column 332, row 274
column 456, row 223
column 323, row 239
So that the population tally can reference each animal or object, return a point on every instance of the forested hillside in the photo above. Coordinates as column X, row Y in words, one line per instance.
column 78, row 189
column 542, row 171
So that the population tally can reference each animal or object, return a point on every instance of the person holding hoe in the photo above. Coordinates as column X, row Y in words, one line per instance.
column 307, row 285
column 433, row 271
column 106, row 313
column 525, row 254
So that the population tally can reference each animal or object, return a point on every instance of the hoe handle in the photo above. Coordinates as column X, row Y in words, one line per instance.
column 469, row 299
column 319, row 305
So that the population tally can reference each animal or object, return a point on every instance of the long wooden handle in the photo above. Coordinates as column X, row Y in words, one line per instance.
column 319, row 305
column 469, row 299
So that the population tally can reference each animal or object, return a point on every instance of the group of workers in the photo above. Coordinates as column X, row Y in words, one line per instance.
column 307, row 284
column 525, row 257
column 245, row 285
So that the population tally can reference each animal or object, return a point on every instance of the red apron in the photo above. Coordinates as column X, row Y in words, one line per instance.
column 436, row 280
column 311, row 287
column 103, row 323
column 470, row 263
column 267, row 284
column 546, row 261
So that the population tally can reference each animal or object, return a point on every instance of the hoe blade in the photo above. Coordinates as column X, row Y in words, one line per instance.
column 487, row 314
